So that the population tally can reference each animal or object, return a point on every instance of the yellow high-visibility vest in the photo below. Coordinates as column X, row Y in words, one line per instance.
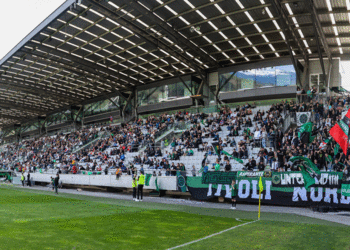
column 141, row 180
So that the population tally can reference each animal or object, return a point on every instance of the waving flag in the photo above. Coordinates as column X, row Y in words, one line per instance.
column 340, row 132
column 236, row 159
column 216, row 148
column 308, row 170
column 305, row 133
column 324, row 144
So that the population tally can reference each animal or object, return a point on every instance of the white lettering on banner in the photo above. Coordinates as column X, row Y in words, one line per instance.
column 245, row 183
column 251, row 174
column 345, row 200
column 255, row 194
column 300, row 180
column 329, row 192
column 291, row 179
column 327, row 178
column 324, row 178
column 298, row 191
column 268, row 190
column 335, row 179
column 319, row 195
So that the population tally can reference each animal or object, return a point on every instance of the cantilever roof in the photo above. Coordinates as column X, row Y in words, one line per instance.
column 90, row 49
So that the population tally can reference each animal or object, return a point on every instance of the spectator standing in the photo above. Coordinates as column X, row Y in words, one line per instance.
column 141, row 182
column 134, row 184
column 233, row 194
column 28, row 180
column 22, row 179
column 56, row 181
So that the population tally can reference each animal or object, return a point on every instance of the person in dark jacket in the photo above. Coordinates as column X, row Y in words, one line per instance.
column 28, row 180
column 56, row 181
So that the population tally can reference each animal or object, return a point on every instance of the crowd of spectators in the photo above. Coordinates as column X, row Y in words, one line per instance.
column 264, row 129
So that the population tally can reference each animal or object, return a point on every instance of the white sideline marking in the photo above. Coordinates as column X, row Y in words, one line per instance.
column 209, row 236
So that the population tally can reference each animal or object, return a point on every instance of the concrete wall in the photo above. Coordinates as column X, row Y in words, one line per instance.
column 164, row 182
column 259, row 93
column 315, row 68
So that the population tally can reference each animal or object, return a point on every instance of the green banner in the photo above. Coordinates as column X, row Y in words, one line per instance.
column 147, row 179
column 345, row 189
column 244, row 174
column 296, row 179
column 218, row 177
column 156, row 184
column 181, row 181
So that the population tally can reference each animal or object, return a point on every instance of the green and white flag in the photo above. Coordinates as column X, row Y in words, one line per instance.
column 308, row 170
column 147, row 179
column 324, row 144
column 307, row 127
column 336, row 149
column 216, row 148
column 236, row 159
column 156, row 184
column 345, row 189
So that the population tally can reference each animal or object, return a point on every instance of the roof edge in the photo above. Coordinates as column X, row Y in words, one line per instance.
column 37, row 29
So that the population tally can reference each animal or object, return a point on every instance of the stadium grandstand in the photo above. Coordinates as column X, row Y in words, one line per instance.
column 199, row 98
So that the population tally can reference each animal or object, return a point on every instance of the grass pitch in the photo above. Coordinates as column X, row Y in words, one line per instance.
column 32, row 219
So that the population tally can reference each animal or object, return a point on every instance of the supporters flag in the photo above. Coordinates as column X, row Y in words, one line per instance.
column 156, row 184
column 336, row 149
column 181, row 181
column 324, row 144
column 147, row 179
column 308, row 169
column 236, row 159
column 305, row 133
column 216, row 148
column 340, row 132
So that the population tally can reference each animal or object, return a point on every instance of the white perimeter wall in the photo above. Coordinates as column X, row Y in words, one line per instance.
column 164, row 182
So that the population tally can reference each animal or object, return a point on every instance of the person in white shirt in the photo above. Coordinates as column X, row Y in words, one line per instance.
column 274, row 165
column 257, row 134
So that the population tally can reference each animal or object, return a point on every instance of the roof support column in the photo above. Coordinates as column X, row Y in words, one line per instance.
column 284, row 23
column 321, row 39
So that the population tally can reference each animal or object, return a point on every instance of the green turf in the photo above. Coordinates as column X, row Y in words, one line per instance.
column 278, row 235
column 34, row 219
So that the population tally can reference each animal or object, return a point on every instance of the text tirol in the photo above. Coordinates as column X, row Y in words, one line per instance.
column 285, row 189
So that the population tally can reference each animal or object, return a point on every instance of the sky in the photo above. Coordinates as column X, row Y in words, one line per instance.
column 19, row 17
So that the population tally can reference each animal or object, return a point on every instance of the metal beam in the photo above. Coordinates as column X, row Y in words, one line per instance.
column 30, row 89
column 31, row 92
column 235, row 12
column 322, row 11
column 286, row 28
column 285, row 23
column 323, row 24
column 319, row 51
column 86, row 65
column 58, row 12
column 320, row 36
column 155, row 42
column 10, row 117
column 178, row 75
column 179, row 39
column 73, row 69
column 318, row 26
column 23, row 107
